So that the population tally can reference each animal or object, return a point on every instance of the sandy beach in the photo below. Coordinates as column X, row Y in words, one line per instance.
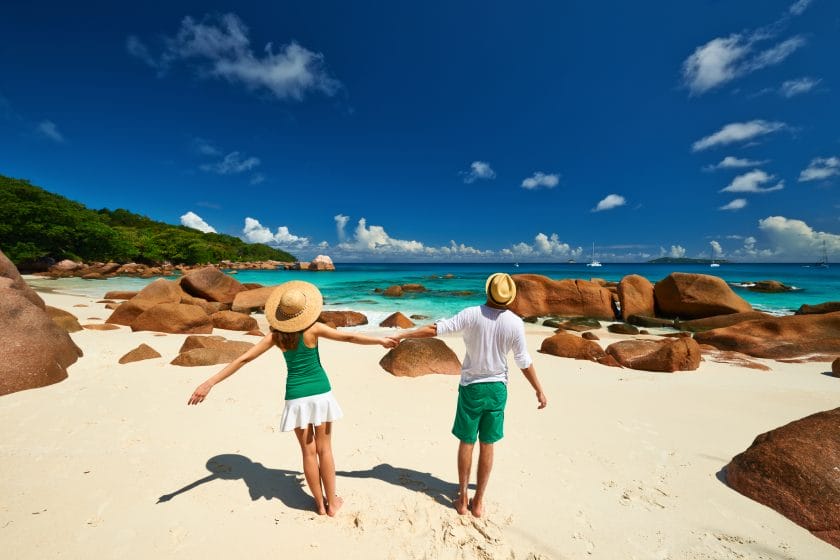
column 623, row 464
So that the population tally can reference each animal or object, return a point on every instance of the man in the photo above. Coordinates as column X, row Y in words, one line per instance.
column 490, row 331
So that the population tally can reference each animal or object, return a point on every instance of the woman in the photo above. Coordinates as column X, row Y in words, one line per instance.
column 292, row 311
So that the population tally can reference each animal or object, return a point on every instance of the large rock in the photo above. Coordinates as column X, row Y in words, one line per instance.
column 173, row 318
column 63, row 319
column 421, row 356
column 778, row 337
column 35, row 351
column 693, row 296
column 835, row 368
column 397, row 320
column 567, row 345
column 769, row 286
column 343, row 318
column 142, row 352
column 793, row 470
column 161, row 291
column 209, row 350
column 321, row 262
column 233, row 321
column 635, row 296
column 718, row 321
column 10, row 271
column 671, row 354
column 622, row 328
column 538, row 295
column 128, row 311
column 393, row 291
column 214, row 342
column 120, row 294
column 820, row 308
column 577, row 324
column 211, row 284
column 252, row 300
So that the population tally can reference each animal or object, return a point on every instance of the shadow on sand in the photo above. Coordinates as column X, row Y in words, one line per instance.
column 262, row 482
column 439, row 490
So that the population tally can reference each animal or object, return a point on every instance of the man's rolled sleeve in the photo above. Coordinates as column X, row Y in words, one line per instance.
column 454, row 324
column 520, row 350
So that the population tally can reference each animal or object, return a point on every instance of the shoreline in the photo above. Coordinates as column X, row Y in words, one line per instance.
column 630, row 460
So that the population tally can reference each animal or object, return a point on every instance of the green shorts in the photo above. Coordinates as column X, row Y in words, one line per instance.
column 481, row 411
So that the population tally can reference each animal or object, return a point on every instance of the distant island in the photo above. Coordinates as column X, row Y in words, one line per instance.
column 38, row 226
column 685, row 260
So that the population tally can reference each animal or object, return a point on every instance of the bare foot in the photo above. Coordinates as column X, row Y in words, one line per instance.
column 320, row 509
column 462, row 505
column 477, row 508
column 334, row 505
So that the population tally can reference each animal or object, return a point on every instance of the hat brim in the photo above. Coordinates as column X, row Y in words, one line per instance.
column 314, row 304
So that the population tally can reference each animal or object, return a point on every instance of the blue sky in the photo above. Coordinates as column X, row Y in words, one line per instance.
column 440, row 130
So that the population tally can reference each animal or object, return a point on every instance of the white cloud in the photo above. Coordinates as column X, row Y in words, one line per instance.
column 193, row 220
column 796, row 240
column 232, row 164
column 609, row 202
column 676, row 252
column 724, row 59
column 376, row 239
column 540, row 179
column 736, row 204
column 257, row 178
column 798, row 7
column 717, row 250
column 478, row 170
column 543, row 246
column 737, row 132
column 791, row 88
column 48, row 129
column 731, row 162
column 751, row 183
column 255, row 232
column 340, row 223
column 221, row 48
column 820, row 168
column 205, row 148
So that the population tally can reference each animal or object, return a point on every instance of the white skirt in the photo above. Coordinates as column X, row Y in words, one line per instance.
column 316, row 410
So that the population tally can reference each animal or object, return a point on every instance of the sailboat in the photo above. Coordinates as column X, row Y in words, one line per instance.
column 593, row 262
column 714, row 264
column 824, row 262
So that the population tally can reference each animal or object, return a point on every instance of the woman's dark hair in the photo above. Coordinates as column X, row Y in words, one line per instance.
column 286, row 340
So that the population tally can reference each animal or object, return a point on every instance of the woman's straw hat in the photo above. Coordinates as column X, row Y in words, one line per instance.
column 500, row 288
column 293, row 306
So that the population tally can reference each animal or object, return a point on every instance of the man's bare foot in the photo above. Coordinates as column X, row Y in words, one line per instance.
column 462, row 505
column 477, row 508
column 334, row 505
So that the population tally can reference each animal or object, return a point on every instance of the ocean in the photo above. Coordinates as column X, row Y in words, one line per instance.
column 352, row 286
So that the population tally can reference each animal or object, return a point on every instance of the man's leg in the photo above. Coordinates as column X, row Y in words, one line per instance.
column 485, row 465
column 465, row 454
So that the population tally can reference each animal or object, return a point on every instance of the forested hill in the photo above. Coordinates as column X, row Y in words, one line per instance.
column 37, row 224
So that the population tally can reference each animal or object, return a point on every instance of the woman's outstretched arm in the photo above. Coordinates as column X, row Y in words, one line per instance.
column 326, row 331
column 258, row 349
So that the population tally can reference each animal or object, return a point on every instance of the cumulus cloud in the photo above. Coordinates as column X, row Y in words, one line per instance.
column 796, row 240
column 219, row 47
column 731, row 162
column 737, row 132
column 478, row 170
column 717, row 250
column 751, row 183
column 48, row 129
column 232, row 164
column 736, row 204
column 543, row 246
column 255, row 232
column 340, row 223
column 820, row 168
column 792, row 88
column 193, row 220
column 609, row 202
column 540, row 179
column 724, row 59
column 676, row 252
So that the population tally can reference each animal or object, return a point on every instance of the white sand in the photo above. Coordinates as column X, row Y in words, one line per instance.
column 621, row 465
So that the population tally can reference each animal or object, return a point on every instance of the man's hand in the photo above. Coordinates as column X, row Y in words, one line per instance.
column 542, row 400
column 200, row 393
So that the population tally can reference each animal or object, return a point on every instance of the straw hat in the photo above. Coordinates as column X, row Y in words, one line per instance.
column 293, row 306
column 500, row 288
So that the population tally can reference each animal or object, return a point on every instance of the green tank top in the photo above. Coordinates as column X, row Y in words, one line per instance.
column 306, row 376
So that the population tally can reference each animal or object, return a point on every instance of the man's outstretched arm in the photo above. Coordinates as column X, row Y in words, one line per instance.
column 423, row 332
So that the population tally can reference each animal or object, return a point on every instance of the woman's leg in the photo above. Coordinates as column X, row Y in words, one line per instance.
column 306, row 439
column 323, row 444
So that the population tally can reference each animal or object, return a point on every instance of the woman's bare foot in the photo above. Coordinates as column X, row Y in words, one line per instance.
column 334, row 505
column 477, row 508
column 320, row 509
column 462, row 505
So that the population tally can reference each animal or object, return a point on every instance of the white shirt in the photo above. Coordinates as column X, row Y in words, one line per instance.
column 489, row 335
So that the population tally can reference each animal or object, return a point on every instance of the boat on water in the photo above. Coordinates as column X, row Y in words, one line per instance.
column 714, row 264
column 594, row 261
column 823, row 263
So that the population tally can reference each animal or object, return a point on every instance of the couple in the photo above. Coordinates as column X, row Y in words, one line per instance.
column 490, row 331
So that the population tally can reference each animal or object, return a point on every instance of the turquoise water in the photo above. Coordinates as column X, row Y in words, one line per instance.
column 352, row 286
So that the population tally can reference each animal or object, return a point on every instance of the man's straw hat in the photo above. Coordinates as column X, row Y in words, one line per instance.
column 500, row 288
column 293, row 306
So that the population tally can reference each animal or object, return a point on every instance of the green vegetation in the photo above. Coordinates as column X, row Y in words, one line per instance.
column 685, row 260
column 36, row 224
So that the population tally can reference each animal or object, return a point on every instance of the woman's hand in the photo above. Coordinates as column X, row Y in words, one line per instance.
column 200, row 393
column 389, row 342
